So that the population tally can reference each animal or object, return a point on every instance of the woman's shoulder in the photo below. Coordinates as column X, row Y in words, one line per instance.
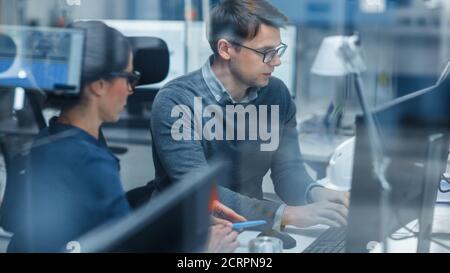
column 70, row 145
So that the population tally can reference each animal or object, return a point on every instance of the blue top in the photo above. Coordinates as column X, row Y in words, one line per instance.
column 74, row 186
column 180, row 145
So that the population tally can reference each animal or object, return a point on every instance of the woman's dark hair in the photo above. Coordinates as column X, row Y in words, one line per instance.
column 106, row 51
column 240, row 20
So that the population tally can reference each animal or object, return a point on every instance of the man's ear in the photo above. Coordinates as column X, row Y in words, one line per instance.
column 98, row 88
column 223, row 49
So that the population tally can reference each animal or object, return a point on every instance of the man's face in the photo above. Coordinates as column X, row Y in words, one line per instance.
column 247, row 66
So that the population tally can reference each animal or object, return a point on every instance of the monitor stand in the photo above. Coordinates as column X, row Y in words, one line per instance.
column 434, row 168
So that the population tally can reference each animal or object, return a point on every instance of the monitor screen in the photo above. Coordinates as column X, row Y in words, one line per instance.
column 47, row 59
column 175, row 221
column 405, row 126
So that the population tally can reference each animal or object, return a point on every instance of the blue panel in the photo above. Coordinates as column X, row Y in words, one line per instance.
column 325, row 13
column 172, row 9
column 46, row 74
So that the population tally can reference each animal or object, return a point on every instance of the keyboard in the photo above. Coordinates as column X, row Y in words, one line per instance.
column 331, row 241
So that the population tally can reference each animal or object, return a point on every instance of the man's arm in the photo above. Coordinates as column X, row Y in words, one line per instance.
column 288, row 172
column 250, row 208
column 294, row 185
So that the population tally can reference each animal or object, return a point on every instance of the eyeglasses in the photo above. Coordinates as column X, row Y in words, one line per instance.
column 268, row 55
column 132, row 78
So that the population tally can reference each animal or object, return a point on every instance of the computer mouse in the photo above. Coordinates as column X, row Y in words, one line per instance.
column 288, row 241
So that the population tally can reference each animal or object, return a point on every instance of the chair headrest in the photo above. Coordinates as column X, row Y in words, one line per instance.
column 151, row 59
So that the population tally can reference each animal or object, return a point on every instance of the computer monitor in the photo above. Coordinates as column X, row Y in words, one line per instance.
column 177, row 220
column 437, row 150
column 37, row 58
column 405, row 127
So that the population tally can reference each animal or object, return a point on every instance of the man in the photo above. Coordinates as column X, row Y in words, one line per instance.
column 233, row 108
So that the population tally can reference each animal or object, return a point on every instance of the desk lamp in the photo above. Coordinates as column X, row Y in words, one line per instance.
column 328, row 63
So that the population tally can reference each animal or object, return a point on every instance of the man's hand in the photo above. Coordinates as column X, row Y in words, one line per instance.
column 329, row 208
column 319, row 194
column 326, row 213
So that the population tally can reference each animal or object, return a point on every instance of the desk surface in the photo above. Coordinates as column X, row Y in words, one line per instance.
column 305, row 237
column 317, row 147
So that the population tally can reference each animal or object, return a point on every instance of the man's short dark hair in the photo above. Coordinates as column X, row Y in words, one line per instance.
column 240, row 20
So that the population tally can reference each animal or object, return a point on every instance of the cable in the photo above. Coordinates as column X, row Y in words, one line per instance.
column 415, row 234
column 401, row 238
column 439, row 243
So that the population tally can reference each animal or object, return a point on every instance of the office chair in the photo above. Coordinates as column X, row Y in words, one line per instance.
column 16, row 134
column 152, row 60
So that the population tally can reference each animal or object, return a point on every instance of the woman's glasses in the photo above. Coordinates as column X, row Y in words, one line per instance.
column 132, row 78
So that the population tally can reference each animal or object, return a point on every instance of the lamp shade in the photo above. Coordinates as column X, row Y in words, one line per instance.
column 329, row 60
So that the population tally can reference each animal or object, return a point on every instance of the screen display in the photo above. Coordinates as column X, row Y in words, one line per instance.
column 48, row 59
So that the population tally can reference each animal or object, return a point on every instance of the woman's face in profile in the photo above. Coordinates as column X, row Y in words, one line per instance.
column 116, row 98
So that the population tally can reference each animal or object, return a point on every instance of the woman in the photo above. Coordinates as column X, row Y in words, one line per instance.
column 74, row 178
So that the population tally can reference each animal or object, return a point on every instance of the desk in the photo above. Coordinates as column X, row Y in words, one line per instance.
column 128, row 135
column 305, row 237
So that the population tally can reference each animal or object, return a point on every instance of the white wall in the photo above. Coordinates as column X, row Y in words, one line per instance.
column 45, row 10
column 101, row 9
column 8, row 14
column 147, row 9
